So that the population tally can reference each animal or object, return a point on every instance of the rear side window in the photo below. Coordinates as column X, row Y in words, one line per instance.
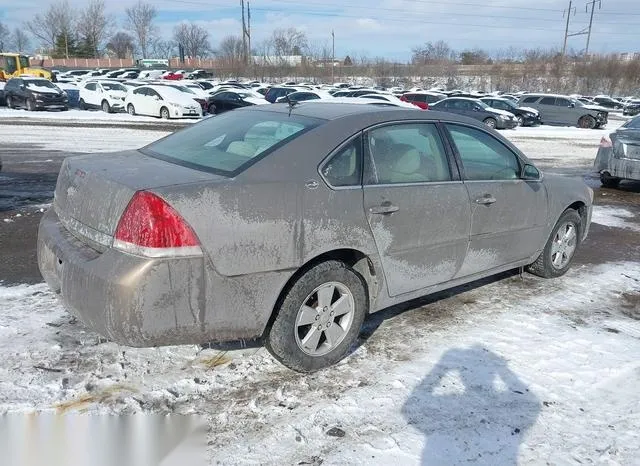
column 563, row 102
column 548, row 101
column 345, row 167
column 530, row 100
column 483, row 156
column 231, row 142
column 633, row 124
column 91, row 87
column 406, row 153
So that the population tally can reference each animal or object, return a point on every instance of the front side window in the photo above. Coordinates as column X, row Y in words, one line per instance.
column 345, row 167
column 562, row 102
column 24, row 62
column 483, row 156
column 406, row 153
column 91, row 87
column 230, row 142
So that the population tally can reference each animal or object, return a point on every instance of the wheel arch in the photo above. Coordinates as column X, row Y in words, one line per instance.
column 360, row 262
column 581, row 208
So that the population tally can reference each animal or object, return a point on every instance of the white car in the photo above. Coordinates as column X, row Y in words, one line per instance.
column 163, row 101
column 106, row 95
column 151, row 74
column 392, row 99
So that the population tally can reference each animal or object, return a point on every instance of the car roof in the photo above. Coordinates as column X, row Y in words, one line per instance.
column 535, row 94
column 334, row 111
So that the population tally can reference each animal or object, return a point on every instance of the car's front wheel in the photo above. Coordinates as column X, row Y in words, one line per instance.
column 587, row 122
column 31, row 105
column 561, row 246
column 609, row 181
column 106, row 108
column 520, row 120
column 319, row 317
column 490, row 122
column 131, row 110
column 164, row 113
column 9, row 102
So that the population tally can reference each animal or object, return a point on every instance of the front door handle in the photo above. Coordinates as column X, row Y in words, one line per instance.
column 487, row 199
column 384, row 209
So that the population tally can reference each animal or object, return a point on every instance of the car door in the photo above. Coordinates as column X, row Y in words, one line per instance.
column 565, row 113
column 89, row 96
column 416, row 206
column 548, row 110
column 508, row 214
column 153, row 102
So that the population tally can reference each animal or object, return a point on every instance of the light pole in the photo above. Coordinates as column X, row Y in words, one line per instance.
column 333, row 56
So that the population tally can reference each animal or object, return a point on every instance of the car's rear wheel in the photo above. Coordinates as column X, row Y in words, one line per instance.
column 587, row 122
column 164, row 113
column 318, row 318
column 31, row 105
column 609, row 181
column 106, row 108
column 520, row 120
column 490, row 122
column 131, row 110
column 561, row 246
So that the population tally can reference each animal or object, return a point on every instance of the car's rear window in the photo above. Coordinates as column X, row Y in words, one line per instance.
column 228, row 144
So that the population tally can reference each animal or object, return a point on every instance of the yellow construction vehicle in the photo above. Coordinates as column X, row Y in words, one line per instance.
column 14, row 64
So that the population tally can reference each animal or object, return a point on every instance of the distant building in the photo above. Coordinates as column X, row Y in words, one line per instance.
column 327, row 62
column 273, row 60
column 628, row 56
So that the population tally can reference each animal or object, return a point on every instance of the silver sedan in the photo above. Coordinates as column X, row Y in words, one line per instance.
column 291, row 223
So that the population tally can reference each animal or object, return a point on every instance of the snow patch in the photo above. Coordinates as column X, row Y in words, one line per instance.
column 615, row 217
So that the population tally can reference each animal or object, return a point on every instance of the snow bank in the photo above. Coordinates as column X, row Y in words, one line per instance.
column 615, row 217
column 528, row 371
column 83, row 115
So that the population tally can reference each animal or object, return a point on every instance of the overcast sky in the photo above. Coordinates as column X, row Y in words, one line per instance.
column 391, row 28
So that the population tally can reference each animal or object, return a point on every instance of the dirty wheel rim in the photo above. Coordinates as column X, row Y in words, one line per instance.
column 491, row 123
column 587, row 123
column 105, row 107
column 9, row 103
column 132, row 111
column 520, row 120
column 30, row 105
column 324, row 319
column 164, row 113
column 564, row 245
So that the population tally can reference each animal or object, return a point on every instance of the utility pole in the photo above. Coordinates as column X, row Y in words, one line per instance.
column 593, row 7
column 249, row 33
column 244, row 35
column 566, row 31
column 333, row 56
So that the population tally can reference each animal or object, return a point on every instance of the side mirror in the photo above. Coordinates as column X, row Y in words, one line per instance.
column 531, row 173
column 476, row 109
column 572, row 105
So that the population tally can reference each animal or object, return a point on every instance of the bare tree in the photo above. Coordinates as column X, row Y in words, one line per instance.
column 94, row 26
column 163, row 49
column 193, row 38
column 121, row 45
column 4, row 33
column 433, row 53
column 289, row 41
column 230, row 51
column 140, row 21
column 54, row 27
column 20, row 40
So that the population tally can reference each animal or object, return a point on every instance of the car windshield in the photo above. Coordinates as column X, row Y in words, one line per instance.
column 40, row 84
column 482, row 104
column 231, row 142
column 114, row 87
column 183, row 89
column 577, row 103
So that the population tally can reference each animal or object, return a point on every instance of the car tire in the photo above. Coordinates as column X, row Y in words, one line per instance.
column 9, row 102
column 608, row 181
column 490, row 122
column 31, row 105
column 555, row 259
column 131, row 110
column 520, row 120
column 164, row 113
column 295, row 322
column 106, row 108
column 212, row 109
column 587, row 122
column 82, row 104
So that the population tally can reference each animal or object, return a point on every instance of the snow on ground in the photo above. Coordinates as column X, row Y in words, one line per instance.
column 79, row 140
column 96, row 116
column 616, row 217
column 543, row 371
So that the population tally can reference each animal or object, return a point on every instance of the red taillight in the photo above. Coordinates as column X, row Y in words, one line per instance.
column 151, row 227
column 426, row 107
column 605, row 142
column 404, row 99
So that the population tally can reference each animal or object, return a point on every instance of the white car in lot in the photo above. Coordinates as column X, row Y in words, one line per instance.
column 106, row 95
column 163, row 101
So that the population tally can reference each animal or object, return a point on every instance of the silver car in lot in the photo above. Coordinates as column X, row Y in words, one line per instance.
column 618, row 156
column 292, row 223
column 564, row 110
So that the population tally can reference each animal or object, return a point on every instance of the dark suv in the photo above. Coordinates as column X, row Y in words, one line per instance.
column 276, row 92
column 34, row 94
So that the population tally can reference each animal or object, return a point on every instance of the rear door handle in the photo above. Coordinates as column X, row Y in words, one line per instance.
column 384, row 209
column 486, row 199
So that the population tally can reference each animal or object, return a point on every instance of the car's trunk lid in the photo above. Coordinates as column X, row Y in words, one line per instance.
column 626, row 143
column 93, row 191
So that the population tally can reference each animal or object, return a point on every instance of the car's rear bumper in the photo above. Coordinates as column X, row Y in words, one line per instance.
column 129, row 299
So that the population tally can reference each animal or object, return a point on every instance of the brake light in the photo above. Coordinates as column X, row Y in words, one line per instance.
column 404, row 99
column 151, row 227
column 426, row 106
column 605, row 142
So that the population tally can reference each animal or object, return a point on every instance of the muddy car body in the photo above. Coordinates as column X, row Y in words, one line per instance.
column 618, row 156
column 293, row 223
